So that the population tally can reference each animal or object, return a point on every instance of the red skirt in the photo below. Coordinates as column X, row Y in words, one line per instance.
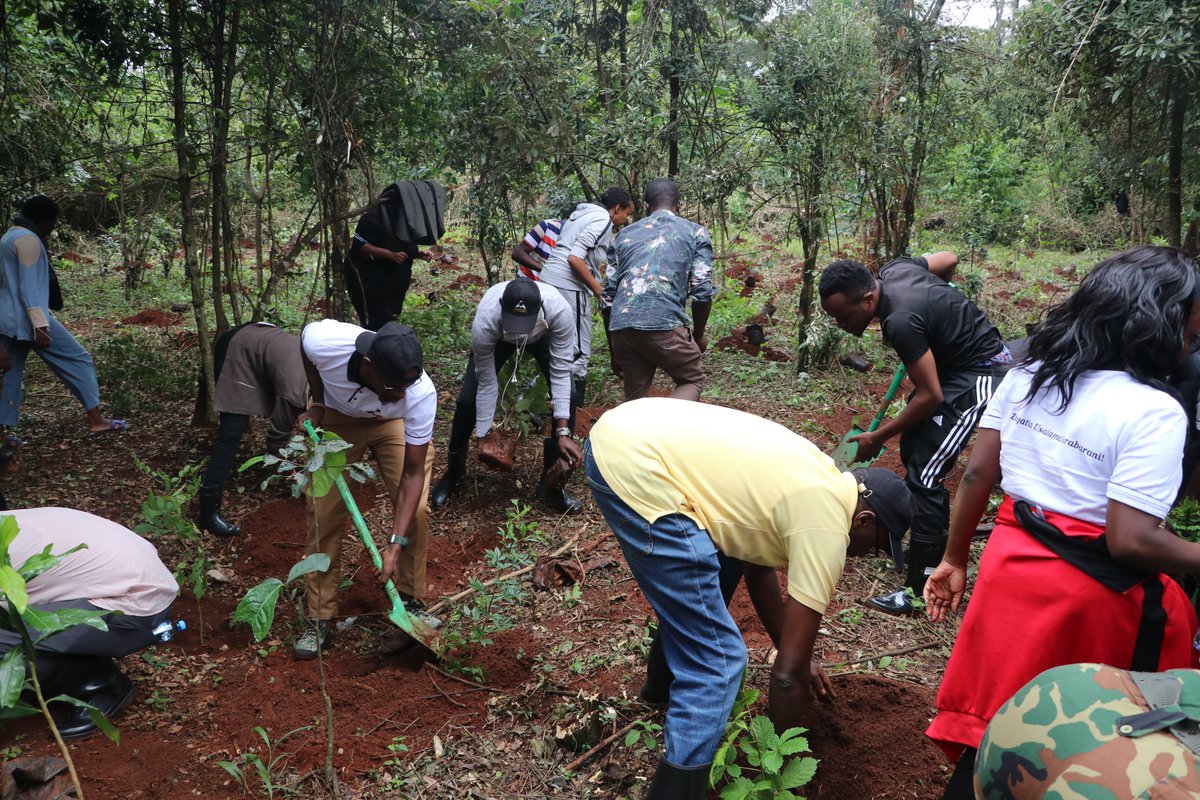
column 1031, row 611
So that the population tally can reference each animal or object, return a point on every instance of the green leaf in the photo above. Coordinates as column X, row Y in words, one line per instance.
column 764, row 732
column 231, row 768
column 772, row 762
column 798, row 772
column 313, row 562
column 631, row 737
column 98, row 719
column 738, row 790
column 792, row 746
column 243, row 468
column 38, row 563
column 257, row 608
column 18, row 709
column 12, row 587
column 8, row 531
column 48, row 623
column 12, row 677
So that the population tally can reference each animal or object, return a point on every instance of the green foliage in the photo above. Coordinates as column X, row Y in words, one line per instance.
column 476, row 622
column 523, row 402
column 1184, row 519
column 269, row 770
column 644, row 733
column 138, row 374
column 257, row 608
column 165, row 515
column 987, row 189
column 771, row 770
column 312, row 467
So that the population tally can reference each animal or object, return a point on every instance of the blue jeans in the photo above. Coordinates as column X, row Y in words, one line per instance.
column 675, row 565
column 68, row 360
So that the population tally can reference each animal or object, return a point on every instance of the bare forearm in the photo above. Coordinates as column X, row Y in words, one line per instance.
column 787, row 697
column 763, row 585
column 700, row 312
column 919, row 408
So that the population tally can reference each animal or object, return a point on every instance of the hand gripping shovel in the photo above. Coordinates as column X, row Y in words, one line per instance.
column 418, row 630
column 846, row 452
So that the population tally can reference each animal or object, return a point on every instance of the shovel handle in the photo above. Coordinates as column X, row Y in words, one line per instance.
column 361, row 525
column 888, row 397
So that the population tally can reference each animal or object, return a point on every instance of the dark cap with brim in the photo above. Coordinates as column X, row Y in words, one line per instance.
column 519, row 307
column 890, row 498
column 394, row 350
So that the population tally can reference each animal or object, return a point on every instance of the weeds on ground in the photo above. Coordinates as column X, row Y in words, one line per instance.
column 138, row 373
column 476, row 622
column 771, row 769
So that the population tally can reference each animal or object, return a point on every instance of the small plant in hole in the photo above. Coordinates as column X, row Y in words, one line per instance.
column 165, row 516
column 644, row 733
column 268, row 770
column 772, row 769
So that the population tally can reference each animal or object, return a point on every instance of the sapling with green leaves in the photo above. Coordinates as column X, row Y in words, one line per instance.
column 772, row 769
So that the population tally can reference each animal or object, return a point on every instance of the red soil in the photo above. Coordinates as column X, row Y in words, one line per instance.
column 737, row 341
column 463, row 281
column 153, row 318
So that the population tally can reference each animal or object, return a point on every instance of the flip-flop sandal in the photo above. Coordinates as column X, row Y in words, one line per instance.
column 114, row 426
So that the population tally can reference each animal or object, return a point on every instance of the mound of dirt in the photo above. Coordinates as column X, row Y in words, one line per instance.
column 463, row 281
column 152, row 317
column 871, row 745
column 739, row 341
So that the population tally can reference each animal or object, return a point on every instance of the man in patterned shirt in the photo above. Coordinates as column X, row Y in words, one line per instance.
column 657, row 263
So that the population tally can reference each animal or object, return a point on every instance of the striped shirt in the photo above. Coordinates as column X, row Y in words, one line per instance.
column 541, row 239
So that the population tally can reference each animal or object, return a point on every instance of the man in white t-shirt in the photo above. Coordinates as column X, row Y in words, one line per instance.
column 370, row 389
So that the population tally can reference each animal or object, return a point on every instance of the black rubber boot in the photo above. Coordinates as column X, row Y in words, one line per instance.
column 456, row 467
column 923, row 557
column 679, row 783
column 210, row 513
column 555, row 499
column 96, row 681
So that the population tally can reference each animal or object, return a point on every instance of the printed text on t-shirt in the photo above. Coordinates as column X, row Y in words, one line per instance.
column 1058, row 437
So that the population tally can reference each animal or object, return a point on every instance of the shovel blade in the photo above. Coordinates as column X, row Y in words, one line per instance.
column 414, row 629
column 847, row 451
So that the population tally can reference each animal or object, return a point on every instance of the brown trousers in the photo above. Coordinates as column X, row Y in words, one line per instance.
column 327, row 515
column 640, row 353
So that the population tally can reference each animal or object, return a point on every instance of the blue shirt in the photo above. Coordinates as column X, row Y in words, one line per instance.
column 24, row 286
column 656, row 264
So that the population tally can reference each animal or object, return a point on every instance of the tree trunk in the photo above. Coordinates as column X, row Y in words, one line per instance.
column 203, row 413
column 1175, row 169
column 674, row 89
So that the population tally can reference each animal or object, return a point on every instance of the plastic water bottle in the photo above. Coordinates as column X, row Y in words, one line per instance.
column 167, row 629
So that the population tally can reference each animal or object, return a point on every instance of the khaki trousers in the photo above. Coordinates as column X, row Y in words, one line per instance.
column 327, row 515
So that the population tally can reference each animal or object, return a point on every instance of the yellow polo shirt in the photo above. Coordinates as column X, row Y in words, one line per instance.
column 764, row 494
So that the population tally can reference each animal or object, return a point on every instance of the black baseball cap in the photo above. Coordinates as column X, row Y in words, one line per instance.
column 519, row 306
column 394, row 351
column 892, row 501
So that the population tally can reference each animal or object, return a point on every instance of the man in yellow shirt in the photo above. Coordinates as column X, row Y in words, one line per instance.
column 682, row 484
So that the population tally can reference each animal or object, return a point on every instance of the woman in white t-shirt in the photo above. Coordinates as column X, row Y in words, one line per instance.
column 1086, row 441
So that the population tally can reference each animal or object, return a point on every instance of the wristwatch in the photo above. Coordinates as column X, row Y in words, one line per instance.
column 563, row 432
column 396, row 538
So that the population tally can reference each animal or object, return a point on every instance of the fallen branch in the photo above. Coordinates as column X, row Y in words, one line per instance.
column 442, row 692
column 459, row 678
column 442, row 605
column 902, row 651
column 583, row 759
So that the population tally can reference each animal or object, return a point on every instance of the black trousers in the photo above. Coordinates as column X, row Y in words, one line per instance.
column 126, row 634
column 930, row 450
column 463, row 424
column 377, row 290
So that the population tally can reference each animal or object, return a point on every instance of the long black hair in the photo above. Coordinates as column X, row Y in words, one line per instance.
column 1129, row 314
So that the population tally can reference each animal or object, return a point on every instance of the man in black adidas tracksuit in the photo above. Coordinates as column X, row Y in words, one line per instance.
column 954, row 357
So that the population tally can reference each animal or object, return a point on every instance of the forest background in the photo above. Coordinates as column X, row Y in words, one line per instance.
column 229, row 140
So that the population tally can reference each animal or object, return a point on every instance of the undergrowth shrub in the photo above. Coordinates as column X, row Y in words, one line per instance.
column 141, row 370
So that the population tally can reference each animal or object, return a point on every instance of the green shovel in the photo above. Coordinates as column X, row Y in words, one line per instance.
column 414, row 627
column 846, row 453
